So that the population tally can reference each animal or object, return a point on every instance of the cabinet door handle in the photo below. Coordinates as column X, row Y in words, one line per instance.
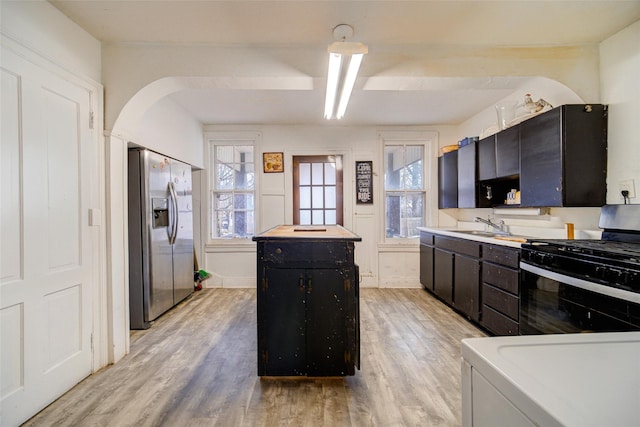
column 309, row 285
column 301, row 283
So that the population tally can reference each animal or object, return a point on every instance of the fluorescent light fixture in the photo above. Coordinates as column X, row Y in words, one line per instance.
column 341, row 78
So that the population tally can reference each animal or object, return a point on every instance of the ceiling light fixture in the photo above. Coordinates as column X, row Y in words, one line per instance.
column 342, row 77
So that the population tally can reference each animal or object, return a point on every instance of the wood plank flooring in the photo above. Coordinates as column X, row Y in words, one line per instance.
column 196, row 366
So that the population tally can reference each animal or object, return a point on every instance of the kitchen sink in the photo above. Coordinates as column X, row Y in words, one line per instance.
column 481, row 233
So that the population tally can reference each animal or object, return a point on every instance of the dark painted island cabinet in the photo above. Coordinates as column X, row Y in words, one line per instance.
column 308, row 301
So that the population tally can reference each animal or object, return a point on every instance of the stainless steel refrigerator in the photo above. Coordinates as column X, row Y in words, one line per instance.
column 160, row 235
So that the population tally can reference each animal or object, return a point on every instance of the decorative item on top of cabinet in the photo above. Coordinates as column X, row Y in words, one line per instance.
column 563, row 157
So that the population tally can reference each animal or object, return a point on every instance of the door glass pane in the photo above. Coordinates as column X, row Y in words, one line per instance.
column 305, row 174
column 330, row 174
column 305, row 217
column 330, row 217
column 318, row 217
column 305, row 197
column 317, row 197
column 330, row 197
column 317, row 173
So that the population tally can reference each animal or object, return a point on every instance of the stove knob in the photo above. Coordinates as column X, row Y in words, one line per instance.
column 601, row 272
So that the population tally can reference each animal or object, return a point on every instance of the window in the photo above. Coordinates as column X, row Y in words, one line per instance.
column 232, row 189
column 404, row 186
column 317, row 190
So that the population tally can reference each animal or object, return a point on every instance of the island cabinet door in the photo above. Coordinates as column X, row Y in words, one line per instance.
column 331, row 322
column 281, row 322
column 308, row 322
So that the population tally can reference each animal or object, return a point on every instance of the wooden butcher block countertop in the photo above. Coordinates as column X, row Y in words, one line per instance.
column 308, row 232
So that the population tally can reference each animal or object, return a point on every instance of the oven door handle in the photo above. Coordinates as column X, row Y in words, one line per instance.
column 582, row 284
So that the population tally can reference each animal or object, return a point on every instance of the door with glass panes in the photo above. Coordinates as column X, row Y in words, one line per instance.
column 317, row 190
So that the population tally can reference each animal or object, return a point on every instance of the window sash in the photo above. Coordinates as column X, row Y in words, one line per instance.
column 232, row 189
column 405, row 192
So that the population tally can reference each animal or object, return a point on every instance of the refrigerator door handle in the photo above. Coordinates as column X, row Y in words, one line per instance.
column 174, row 218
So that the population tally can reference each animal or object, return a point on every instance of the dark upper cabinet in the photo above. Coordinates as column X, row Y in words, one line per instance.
column 448, row 180
column 508, row 152
column 467, row 176
column 563, row 156
column 487, row 158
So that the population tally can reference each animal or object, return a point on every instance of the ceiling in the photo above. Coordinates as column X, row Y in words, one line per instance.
column 385, row 26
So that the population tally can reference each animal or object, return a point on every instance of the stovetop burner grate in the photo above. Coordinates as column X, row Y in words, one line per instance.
column 623, row 251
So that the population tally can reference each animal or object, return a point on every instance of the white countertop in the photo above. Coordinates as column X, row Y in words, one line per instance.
column 565, row 379
column 460, row 233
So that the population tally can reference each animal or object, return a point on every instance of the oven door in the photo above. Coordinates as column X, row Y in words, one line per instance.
column 553, row 303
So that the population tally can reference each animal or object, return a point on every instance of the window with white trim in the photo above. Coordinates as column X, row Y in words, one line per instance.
column 404, row 187
column 232, row 189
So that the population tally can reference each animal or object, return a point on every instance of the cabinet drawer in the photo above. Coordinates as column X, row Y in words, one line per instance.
column 501, row 277
column 501, row 255
column 460, row 246
column 426, row 238
column 318, row 254
column 498, row 323
column 501, row 301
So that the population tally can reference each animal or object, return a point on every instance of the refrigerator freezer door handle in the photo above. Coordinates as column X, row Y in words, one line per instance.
column 174, row 219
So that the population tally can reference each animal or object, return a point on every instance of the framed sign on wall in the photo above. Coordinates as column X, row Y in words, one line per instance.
column 364, row 182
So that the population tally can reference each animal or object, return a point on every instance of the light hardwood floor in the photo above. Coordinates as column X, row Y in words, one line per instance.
column 196, row 366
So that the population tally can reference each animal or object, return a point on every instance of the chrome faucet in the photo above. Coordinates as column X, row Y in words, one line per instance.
column 500, row 225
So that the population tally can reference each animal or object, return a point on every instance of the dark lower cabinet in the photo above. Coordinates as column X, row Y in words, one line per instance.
column 456, row 274
column 500, row 289
column 466, row 289
column 443, row 275
column 480, row 281
column 308, row 303
column 426, row 260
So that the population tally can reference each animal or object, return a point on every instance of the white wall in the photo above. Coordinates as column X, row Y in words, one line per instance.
column 620, row 87
column 44, row 29
column 167, row 128
column 381, row 263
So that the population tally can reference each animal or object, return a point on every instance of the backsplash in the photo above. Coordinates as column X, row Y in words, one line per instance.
column 551, row 225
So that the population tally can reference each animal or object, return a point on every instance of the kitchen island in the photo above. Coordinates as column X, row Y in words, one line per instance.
column 308, row 301
column 552, row 380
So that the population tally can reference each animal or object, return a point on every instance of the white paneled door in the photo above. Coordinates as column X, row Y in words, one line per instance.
column 46, row 252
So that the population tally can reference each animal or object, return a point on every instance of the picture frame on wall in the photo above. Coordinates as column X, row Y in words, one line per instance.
column 272, row 162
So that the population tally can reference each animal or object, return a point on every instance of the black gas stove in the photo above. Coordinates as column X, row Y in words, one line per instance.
column 615, row 264
column 584, row 285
